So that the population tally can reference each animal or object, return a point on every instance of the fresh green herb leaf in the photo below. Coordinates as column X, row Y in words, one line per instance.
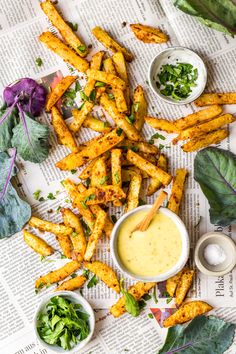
column 111, row 96
column 74, row 275
column 73, row 172
column 119, row 131
column 87, row 182
column 114, row 219
column 67, row 200
column 73, row 26
column 83, row 96
column 85, row 273
column 161, row 146
column 58, row 209
column 150, row 315
column 51, row 196
column 92, row 282
column 84, row 206
column 130, row 119
column 168, row 300
column 74, row 234
column 41, row 199
column 103, row 180
column 86, row 228
column 36, row 194
column 100, row 84
column 136, row 107
column 117, row 177
column 38, row 61
column 146, row 297
column 82, row 48
column 92, row 95
column 141, row 304
column 158, row 136
column 77, row 86
column 134, row 148
column 131, row 305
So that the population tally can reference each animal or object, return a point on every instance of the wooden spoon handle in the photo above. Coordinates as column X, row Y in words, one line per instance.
column 143, row 225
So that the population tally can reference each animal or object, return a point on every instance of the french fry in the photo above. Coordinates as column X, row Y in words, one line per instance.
column 107, row 78
column 99, row 175
column 102, row 195
column 155, row 184
column 120, row 65
column 58, row 91
column 116, row 175
column 72, row 284
column 37, row 244
column 128, row 173
column 65, row 245
column 77, row 237
column 137, row 290
column 76, row 198
column 198, row 117
column 187, row 312
column 64, row 135
column 81, row 114
column 119, row 118
column 57, row 275
column 105, row 273
column 95, row 210
column 86, row 173
column 133, row 192
column 141, row 146
column 148, row 34
column 96, row 235
column 205, row 140
column 96, row 124
column 161, row 124
column 139, row 107
column 177, row 190
column 172, row 283
column 103, row 144
column 61, row 49
column 48, row 226
column 216, row 98
column 65, row 30
column 207, row 127
column 183, row 286
column 152, row 170
column 108, row 42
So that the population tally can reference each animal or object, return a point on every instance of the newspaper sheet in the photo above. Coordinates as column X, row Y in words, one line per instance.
column 21, row 23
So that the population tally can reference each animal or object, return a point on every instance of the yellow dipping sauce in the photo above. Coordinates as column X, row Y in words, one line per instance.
column 152, row 252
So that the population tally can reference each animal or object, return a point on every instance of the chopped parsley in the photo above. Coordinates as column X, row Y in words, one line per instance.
column 119, row 131
column 38, row 61
column 117, row 177
column 92, row 96
column 156, row 136
column 114, row 219
column 73, row 172
column 74, row 275
column 77, row 86
column 89, row 197
column 168, row 300
column 51, row 196
column 111, row 96
column 73, row 26
column 41, row 199
column 87, row 182
column 36, row 194
column 74, row 234
column 86, row 228
column 82, row 48
column 150, row 315
column 100, row 84
column 92, row 282
column 85, row 273
column 58, row 209
column 136, row 107
column 103, row 180
column 130, row 119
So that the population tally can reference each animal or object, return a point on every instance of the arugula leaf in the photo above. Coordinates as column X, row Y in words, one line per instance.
column 202, row 335
column 38, row 148
column 214, row 170
column 218, row 14
column 131, row 305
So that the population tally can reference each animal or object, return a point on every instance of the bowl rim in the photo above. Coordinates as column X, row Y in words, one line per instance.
column 78, row 299
column 199, row 264
column 170, row 101
column 185, row 246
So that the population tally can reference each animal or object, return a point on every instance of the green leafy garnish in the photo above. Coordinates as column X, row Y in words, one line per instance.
column 131, row 305
column 154, row 295
column 89, row 197
column 92, row 282
column 114, row 219
column 73, row 26
column 74, row 234
column 83, row 96
column 74, row 275
column 58, row 209
column 73, row 172
column 92, row 96
column 87, row 182
column 150, row 315
column 36, row 194
column 82, row 48
column 103, row 180
column 51, row 196
column 119, row 131
column 77, row 86
column 130, row 119
column 136, row 107
column 117, row 177
column 100, row 84
column 111, row 96
column 64, row 323
column 38, row 61
column 86, row 228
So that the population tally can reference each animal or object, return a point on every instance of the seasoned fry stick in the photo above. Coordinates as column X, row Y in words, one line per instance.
column 61, row 49
column 108, row 42
column 48, row 226
column 103, row 144
column 86, row 173
column 207, row 127
column 99, row 174
column 139, row 107
column 116, row 171
column 162, row 124
column 205, row 140
column 102, row 195
column 77, row 237
column 119, row 118
column 63, row 133
column 216, row 98
column 137, row 290
column 81, row 114
column 72, row 284
column 96, row 124
column 127, row 174
column 141, row 146
column 133, row 193
column 37, row 244
column 177, row 190
column 109, row 79
column 65, row 245
column 96, row 235
column 66, row 32
column 120, row 65
column 184, row 286
column 58, row 91
column 105, row 273
column 76, row 198
column 95, row 210
column 172, row 283
column 198, row 117
column 57, row 275
column 148, row 34
column 155, row 184
column 187, row 312
column 152, row 170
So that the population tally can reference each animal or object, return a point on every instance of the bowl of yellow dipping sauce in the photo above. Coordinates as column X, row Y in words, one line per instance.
column 155, row 254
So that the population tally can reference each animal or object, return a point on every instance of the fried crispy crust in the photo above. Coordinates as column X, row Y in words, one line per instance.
column 72, row 284
column 105, row 273
column 161, row 124
column 148, row 34
column 205, row 140
column 96, row 235
column 99, row 173
column 184, row 285
column 133, row 192
column 58, row 91
column 102, row 195
column 37, row 244
column 216, row 98
column 56, row 229
column 140, row 102
column 171, row 283
column 107, row 78
column 155, row 184
column 177, row 190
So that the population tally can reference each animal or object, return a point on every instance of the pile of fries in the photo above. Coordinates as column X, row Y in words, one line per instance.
column 119, row 155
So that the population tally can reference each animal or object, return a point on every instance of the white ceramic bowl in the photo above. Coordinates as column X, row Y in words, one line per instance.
column 76, row 298
column 184, row 55
column 185, row 245
column 224, row 242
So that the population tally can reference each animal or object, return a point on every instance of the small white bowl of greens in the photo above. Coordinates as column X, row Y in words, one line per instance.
column 64, row 322
column 177, row 75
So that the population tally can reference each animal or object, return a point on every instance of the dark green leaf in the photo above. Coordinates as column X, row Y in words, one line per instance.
column 92, row 282
column 82, row 48
column 38, row 61
column 131, row 305
column 119, row 131
column 73, row 26
column 114, row 219
column 77, row 86
column 100, row 84
column 103, row 180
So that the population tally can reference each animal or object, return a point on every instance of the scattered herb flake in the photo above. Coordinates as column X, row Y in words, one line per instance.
column 58, row 209
column 111, row 96
column 92, row 282
column 119, row 131
column 73, row 172
column 73, row 26
column 74, row 234
column 117, row 177
column 150, row 315
column 154, row 295
column 100, row 84
column 74, row 275
column 85, row 273
column 103, row 180
column 77, row 86
column 38, row 61
column 82, row 48
column 36, row 194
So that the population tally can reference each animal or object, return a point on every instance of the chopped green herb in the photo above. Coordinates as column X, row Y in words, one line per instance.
column 74, row 275
column 63, row 256
column 165, row 294
column 83, row 96
column 158, row 136
column 87, row 182
column 38, row 61
column 51, row 196
column 114, row 219
column 106, row 124
column 100, row 84
column 130, row 119
column 42, row 258
column 86, row 228
column 146, row 297
column 117, row 177
column 70, row 93
column 161, row 146
column 41, row 199
column 119, row 131
column 154, row 295
column 84, row 206
column 74, row 234
column 81, row 106
column 92, row 96
column 134, row 148
column 111, row 96
column 48, row 285
column 103, row 180
column 141, row 202
column 150, row 315
column 90, row 197
column 168, row 300
column 67, row 200
column 136, row 107
column 73, row 26
column 85, row 273
column 92, row 282
column 82, row 48
column 58, row 209
column 141, row 304
column 131, row 305
column 36, row 194
column 77, row 86
column 73, row 171
column 62, row 183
